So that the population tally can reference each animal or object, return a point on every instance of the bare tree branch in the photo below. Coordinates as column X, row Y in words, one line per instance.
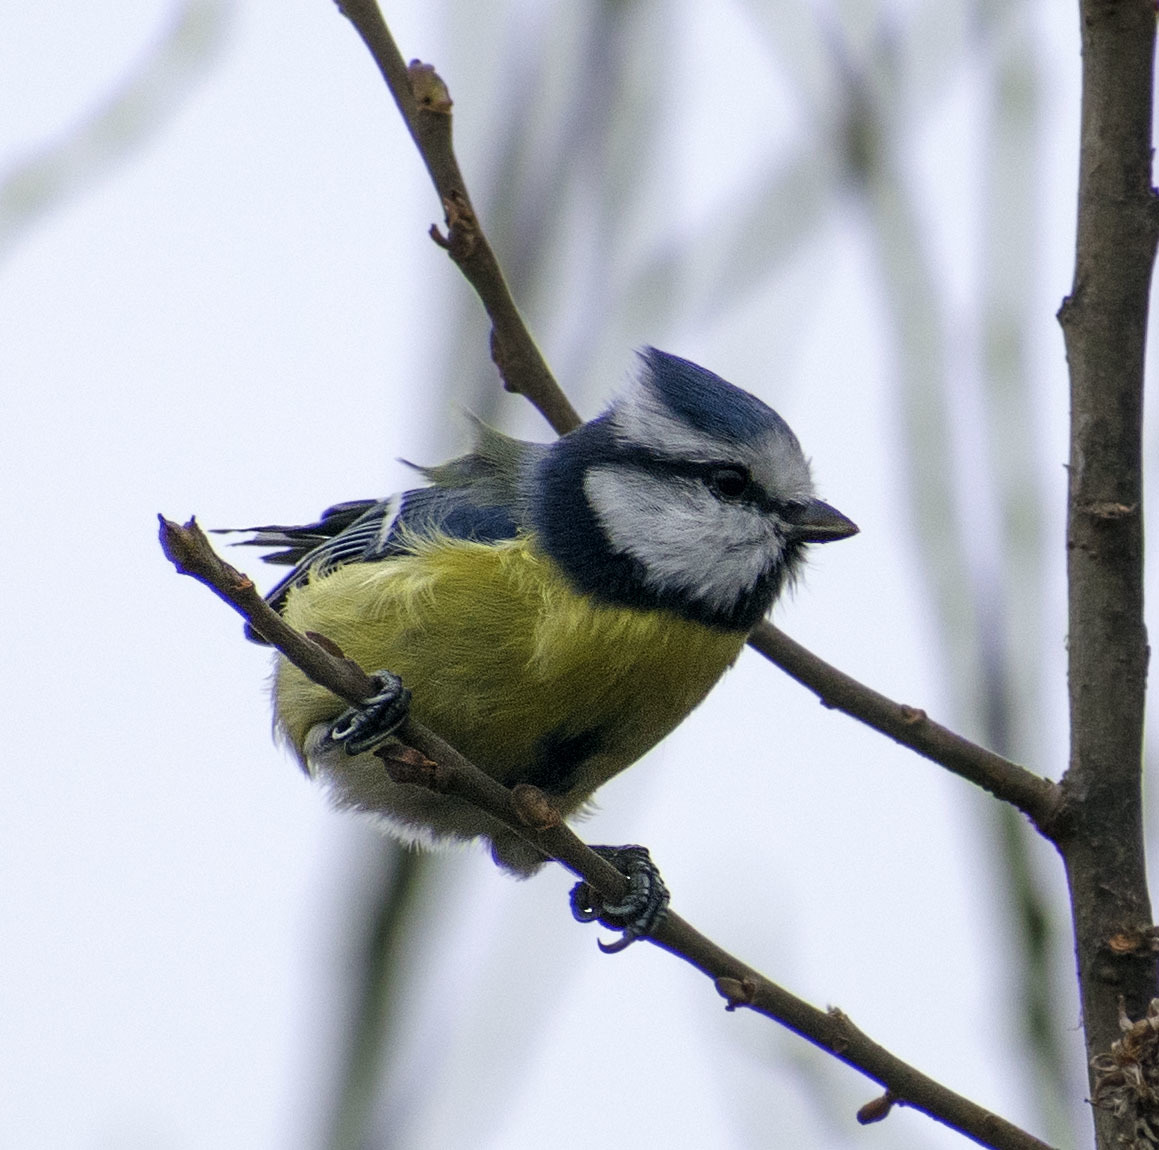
column 1036, row 797
column 438, row 766
column 1104, row 321
column 528, row 812
column 425, row 104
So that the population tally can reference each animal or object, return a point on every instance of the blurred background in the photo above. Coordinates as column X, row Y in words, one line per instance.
column 217, row 296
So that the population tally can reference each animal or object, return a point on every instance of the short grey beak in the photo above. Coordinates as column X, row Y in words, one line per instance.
column 817, row 522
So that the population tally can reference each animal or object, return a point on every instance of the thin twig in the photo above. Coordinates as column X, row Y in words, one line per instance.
column 425, row 104
column 440, row 767
column 1035, row 796
column 526, row 812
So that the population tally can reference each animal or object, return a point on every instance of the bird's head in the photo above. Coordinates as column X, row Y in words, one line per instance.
column 687, row 494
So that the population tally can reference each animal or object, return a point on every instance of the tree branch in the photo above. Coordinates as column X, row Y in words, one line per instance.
column 528, row 812
column 1036, row 797
column 425, row 104
column 189, row 550
column 1104, row 322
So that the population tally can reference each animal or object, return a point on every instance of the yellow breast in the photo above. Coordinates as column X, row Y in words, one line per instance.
column 506, row 661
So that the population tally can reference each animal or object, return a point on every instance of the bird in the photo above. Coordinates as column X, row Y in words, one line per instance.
column 551, row 610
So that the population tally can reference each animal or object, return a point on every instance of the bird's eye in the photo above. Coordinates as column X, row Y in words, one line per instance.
column 728, row 482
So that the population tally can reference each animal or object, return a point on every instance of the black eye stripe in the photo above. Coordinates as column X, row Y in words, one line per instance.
column 754, row 495
column 729, row 482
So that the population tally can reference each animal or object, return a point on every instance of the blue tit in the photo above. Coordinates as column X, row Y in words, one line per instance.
column 553, row 609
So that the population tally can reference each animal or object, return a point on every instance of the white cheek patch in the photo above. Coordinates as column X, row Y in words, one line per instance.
column 685, row 538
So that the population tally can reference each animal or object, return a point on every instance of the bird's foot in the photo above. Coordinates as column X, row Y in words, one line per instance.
column 641, row 908
column 374, row 720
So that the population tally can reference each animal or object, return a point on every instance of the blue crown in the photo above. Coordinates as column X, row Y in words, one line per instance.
column 705, row 401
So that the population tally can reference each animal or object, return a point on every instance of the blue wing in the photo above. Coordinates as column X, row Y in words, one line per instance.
column 478, row 496
column 366, row 530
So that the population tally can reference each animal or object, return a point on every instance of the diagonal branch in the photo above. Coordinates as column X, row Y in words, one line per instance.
column 528, row 813
column 1036, row 797
column 189, row 550
column 425, row 104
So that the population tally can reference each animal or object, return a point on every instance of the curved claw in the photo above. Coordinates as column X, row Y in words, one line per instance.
column 374, row 721
column 640, row 910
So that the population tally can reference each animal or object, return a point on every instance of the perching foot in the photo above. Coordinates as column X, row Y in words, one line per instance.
column 374, row 721
column 641, row 909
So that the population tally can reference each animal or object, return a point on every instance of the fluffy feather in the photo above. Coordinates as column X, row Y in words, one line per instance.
column 508, row 663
